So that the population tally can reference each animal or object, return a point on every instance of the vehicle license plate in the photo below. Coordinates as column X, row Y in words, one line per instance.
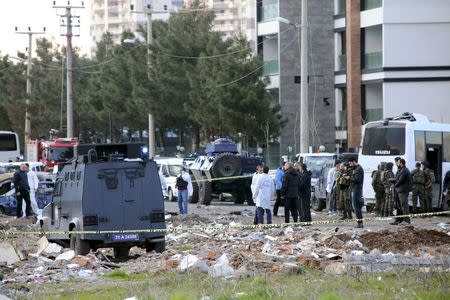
column 125, row 237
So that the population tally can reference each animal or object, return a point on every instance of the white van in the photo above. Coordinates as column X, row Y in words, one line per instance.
column 170, row 168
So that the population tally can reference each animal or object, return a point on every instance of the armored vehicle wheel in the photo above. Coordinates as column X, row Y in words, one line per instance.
column 81, row 247
column 194, row 197
column 204, row 192
column 121, row 251
column 158, row 247
column 226, row 165
column 317, row 204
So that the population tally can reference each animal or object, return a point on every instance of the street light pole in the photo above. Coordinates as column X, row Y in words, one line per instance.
column 304, row 116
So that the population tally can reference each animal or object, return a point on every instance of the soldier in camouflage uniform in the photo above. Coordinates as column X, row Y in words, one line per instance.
column 343, row 180
column 388, row 205
column 419, row 180
column 430, row 179
column 378, row 187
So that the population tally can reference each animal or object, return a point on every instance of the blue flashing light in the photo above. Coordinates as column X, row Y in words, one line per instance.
column 144, row 151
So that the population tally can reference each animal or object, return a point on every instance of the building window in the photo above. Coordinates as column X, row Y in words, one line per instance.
column 113, row 15
column 371, row 4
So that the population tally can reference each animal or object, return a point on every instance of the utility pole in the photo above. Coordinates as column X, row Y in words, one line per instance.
column 151, row 121
column 304, row 111
column 68, row 15
column 27, row 130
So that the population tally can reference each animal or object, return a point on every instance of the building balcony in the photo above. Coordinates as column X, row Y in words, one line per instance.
column 372, row 60
column 342, row 63
column 267, row 12
column 375, row 114
column 270, row 67
column 371, row 4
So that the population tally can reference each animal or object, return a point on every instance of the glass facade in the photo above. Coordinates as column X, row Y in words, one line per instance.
column 268, row 12
column 371, row 4
column 270, row 67
column 373, row 60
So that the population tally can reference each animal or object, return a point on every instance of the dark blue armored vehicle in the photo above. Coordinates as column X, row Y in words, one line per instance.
column 108, row 187
column 223, row 170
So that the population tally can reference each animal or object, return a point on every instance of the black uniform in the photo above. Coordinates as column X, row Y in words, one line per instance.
column 290, row 192
column 304, row 192
column 22, row 193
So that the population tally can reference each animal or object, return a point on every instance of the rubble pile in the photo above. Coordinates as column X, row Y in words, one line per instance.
column 234, row 252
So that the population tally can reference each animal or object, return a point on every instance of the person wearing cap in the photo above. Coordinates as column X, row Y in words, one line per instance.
column 430, row 180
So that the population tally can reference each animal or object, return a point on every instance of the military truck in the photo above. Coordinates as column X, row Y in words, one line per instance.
column 223, row 171
column 107, row 187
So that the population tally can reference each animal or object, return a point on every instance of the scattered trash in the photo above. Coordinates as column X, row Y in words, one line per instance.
column 187, row 262
column 221, row 268
column 8, row 253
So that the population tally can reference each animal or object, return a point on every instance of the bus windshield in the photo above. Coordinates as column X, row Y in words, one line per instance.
column 384, row 140
column 60, row 153
column 317, row 163
column 8, row 142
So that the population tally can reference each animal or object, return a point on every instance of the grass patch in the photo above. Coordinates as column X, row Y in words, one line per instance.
column 311, row 284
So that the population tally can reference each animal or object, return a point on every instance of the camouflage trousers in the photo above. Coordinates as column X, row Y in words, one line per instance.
column 428, row 200
column 379, row 201
column 345, row 204
column 418, row 192
column 388, row 204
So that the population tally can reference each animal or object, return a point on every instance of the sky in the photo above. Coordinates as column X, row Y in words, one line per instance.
column 39, row 14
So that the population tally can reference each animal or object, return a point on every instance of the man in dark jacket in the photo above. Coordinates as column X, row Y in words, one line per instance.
column 304, row 192
column 356, row 184
column 290, row 192
column 446, row 192
column 22, row 189
column 403, row 186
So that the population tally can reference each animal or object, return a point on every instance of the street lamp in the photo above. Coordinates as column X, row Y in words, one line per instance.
column 304, row 117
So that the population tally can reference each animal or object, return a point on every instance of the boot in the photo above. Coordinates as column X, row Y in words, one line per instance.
column 344, row 215
column 349, row 215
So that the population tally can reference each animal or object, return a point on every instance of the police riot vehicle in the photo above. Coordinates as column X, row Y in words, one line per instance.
column 107, row 187
column 223, row 171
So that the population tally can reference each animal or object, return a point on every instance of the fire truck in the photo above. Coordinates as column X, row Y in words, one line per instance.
column 52, row 152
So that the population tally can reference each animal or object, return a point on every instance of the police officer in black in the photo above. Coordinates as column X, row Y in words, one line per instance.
column 22, row 191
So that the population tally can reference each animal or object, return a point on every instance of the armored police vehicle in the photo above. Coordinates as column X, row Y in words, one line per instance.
column 107, row 187
column 223, row 170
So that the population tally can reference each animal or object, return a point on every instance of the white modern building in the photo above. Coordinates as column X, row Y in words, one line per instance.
column 391, row 56
column 114, row 16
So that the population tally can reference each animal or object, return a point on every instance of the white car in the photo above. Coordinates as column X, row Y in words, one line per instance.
column 170, row 168
column 35, row 166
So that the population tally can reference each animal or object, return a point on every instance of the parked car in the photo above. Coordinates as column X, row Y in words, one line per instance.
column 8, row 202
column 35, row 166
column 170, row 168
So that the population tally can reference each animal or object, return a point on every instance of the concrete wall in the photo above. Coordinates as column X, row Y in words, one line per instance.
column 321, row 70
column 428, row 98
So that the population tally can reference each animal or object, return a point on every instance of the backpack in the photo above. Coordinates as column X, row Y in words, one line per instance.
column 181, row 183
column 419, row 177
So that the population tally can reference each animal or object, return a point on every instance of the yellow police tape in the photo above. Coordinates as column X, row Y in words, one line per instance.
column 5, row 234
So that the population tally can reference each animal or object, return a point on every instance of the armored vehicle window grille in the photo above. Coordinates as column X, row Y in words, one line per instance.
column 72, row 175
column 110, row 177
column 134, row 173
column 66, row 176
column 78, row 175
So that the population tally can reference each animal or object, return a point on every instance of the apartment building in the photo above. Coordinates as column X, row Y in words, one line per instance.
column 114, row 16
column 234, row 17
column 391, row 56
column 279, row 44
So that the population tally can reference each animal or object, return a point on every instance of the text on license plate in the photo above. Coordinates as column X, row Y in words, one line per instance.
column 125, row 237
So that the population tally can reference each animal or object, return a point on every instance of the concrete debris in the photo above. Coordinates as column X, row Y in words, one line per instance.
column 235, row 253
column 68, row 255
column 337, row 268
column 221, row 268
column 8, row 253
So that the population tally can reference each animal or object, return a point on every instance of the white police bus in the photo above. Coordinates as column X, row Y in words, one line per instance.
column 410, row 136
column 9, row 146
